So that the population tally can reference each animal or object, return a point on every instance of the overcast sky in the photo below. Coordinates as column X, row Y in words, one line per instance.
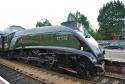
column 26, row 13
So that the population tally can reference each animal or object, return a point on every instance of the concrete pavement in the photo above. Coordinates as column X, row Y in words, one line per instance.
column 115, row 55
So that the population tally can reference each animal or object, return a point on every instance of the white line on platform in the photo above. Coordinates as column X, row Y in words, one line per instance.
column 4, row 81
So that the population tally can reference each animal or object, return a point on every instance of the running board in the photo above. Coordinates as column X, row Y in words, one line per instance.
column 68, row 69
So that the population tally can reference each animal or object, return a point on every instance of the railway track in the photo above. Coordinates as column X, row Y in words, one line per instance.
column 49, row 77
column 108, row 80
column 15, row 77
column 43, row 75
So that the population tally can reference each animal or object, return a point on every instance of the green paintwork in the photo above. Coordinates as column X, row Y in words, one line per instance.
column 61, row 38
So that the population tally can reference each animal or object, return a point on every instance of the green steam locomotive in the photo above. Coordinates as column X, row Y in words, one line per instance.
column 66, row 46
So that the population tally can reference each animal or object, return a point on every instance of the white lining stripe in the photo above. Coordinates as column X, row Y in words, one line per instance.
column 4, row 81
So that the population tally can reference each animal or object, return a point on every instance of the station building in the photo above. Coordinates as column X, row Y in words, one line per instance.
column 119, row 35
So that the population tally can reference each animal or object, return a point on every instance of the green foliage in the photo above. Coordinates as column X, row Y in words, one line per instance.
column 111, row 18
column 43, row 23
column 80, row 18
column 71, row 17
column 96, row 34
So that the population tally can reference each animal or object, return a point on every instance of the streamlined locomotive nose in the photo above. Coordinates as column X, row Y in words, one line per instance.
column 100, row 67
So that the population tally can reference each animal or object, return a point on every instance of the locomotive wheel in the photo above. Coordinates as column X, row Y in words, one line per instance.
column 51, row 66
column 83, row 72
column 48, row 65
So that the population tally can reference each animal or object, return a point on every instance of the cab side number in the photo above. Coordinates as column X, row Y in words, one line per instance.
column 62, row 38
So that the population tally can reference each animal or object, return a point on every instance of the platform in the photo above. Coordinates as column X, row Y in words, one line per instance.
column 3, row 81
column 115, row 55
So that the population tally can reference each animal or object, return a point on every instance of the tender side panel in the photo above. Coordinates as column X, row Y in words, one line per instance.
column 1, row 42
column 2, row 39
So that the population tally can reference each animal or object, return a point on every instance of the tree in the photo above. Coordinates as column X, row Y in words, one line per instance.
column 111, row 19
column 96, row 34
column 80, row 18
column 43, row 23
column 71, row 17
